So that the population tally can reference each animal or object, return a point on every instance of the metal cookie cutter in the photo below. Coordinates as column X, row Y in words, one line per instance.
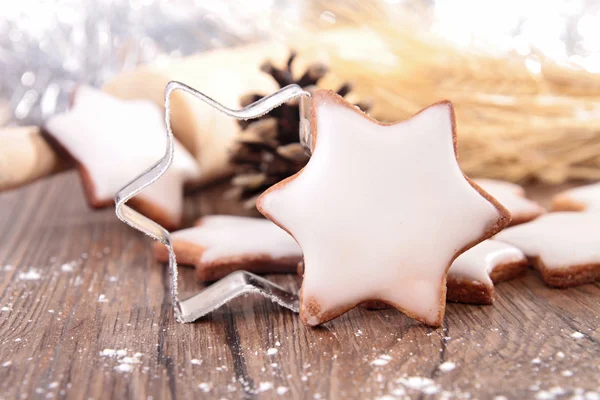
column 236, row 283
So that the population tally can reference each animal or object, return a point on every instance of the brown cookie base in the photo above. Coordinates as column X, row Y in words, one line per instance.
column 509, row 271
column 190, row 254
column 522, row 218
column 470, row 292
column 312, row 309
column 576, row 275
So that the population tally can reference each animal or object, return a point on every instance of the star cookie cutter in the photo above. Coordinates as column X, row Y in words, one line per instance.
column 236, row 283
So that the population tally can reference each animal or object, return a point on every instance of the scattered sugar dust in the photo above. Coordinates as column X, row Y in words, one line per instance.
column 264, row 386
column 447, row 366
column 381, row 360
column 419, row 383
column 68, row 267
column 577, row 335
column 272, row 351
column 125, row 362
column 281, row 390
column 31, row 275
column 204, row 386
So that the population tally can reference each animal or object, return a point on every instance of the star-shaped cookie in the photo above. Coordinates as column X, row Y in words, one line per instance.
column 221, row 244
column 563, row 246
column 583, row 198
column 512, row 196
column 472, row 275
column 112, row 141
column 380, row 211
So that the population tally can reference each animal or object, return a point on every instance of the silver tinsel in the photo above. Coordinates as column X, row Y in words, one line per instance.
column 49, row 46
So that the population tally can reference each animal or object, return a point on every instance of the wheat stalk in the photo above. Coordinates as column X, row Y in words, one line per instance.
column 513, row 123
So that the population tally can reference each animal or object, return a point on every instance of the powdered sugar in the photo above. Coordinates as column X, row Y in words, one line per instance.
column 68, row 267
column 272, row 351
column 421, row 384
column 577, row 335
column 264, row 386
column 281, row 390
column 381, row 360
column 126, row 362
column 447, row 366
column 31, row 275
column 204, row 386
column 124, row 368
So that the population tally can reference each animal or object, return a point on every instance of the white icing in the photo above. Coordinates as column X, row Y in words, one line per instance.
column 116, row 140
column 225, row 236
column 560, row 239
column 511, row 196
column 379, row 210
column 588, row 195
column 478, row 262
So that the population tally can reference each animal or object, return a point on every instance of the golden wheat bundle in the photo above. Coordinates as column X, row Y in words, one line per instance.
column 520, row 118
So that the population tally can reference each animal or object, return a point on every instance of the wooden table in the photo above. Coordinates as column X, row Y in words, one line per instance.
column 76, row 286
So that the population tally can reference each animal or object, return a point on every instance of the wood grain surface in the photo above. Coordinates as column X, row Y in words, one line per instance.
column 76, row 284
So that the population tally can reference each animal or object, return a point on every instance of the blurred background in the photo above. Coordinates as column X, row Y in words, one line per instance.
column 522, row 74
column 47, row 47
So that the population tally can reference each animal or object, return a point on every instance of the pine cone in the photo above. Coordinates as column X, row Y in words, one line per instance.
column 268, row 149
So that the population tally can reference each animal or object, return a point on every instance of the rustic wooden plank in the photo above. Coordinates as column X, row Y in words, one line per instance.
column 55, row 327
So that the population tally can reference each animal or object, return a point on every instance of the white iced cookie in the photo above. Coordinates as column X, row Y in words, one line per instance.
column 583, row 198
column 380, row 211
column 112, row 141
column 512, row 196
column 220, row 244
column 472, row 275
column 563, row 246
